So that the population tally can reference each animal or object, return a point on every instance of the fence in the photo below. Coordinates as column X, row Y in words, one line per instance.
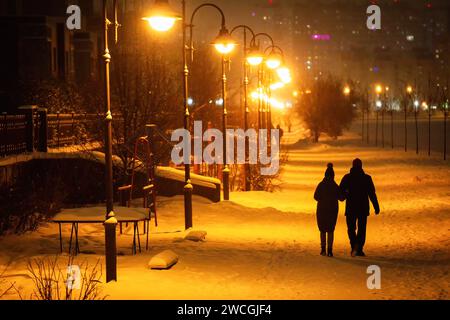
column 429, row 134
column 13, row 130
column 35, row 130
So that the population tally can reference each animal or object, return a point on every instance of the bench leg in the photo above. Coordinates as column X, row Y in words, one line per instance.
column 148, row 231
column 138, row 236
column 134, row 240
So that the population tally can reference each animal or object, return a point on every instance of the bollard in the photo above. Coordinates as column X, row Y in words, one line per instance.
column 111, row 248
column 226, row 183
column 188, row 189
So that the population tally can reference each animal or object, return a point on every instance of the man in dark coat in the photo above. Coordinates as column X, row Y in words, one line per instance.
column 358, row 188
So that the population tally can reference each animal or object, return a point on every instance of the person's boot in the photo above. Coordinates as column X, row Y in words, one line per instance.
column 323, row 252
column 360, row 253
column 354, row 251
column 330, row 252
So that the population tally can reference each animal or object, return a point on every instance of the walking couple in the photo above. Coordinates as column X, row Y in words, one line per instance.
column 356, row 188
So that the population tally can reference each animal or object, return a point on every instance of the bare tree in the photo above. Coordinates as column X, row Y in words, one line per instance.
column 325, row 108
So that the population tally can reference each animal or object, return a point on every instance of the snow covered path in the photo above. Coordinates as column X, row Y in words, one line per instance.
column 266, row 246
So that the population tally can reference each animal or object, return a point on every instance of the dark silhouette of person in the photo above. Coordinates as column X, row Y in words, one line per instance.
column 327, row 195
column 281, row 131
column 358, row 188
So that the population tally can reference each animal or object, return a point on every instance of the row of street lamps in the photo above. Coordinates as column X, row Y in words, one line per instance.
column 162, row 18
column 381, row 101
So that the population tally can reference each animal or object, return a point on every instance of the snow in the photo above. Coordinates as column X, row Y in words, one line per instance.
column 163, row 260
column 196, row 235
column 97, row 214
column 178, row 175
column 266, row 245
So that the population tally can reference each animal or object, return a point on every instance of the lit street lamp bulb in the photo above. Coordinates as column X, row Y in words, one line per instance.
column 379, row 89
column 255, row 61
column 273, row 63
column 224, row 48
column 276, row 104
column 347, row 91
column 161, row 24
column 284, row 74
column 276, row 86
column 409, row 89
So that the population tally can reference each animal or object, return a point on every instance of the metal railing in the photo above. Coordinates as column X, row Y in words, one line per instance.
column 35, row 130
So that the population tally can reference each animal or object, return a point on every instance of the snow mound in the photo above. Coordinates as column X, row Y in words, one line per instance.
column 196, row 236
column 163, row 260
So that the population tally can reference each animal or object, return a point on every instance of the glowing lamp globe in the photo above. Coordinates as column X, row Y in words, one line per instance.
column 379, row 89
column 224, row 43
column 284, row 74
column 161, row 24
column 347, row 91
column 161, row 17
column 255, row 61
column 255, row 57
column 273, row 62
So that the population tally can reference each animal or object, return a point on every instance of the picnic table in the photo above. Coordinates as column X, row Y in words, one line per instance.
column 96, row 215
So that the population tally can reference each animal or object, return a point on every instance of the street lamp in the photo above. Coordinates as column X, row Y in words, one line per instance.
column 284, row 74
column 110, row 220
column 162, row 17
column 347, row 90
column 378, row 89
column 409, row 91
column 379, row 105
column 254, row 56
column 224, row 44
column 251, row 57
column 274, row 61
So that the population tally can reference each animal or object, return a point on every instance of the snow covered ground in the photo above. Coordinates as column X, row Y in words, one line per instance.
column 266, row 246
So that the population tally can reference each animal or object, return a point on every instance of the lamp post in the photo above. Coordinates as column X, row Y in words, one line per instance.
column 391, row 110
column 110, row 220
column 274, row 61
column 416, row 111
column 378, row 105
column 409, row 91
column 261, row 75
column 430, row 102
column 246, row 66
column 383, row 111
column 162, row 18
